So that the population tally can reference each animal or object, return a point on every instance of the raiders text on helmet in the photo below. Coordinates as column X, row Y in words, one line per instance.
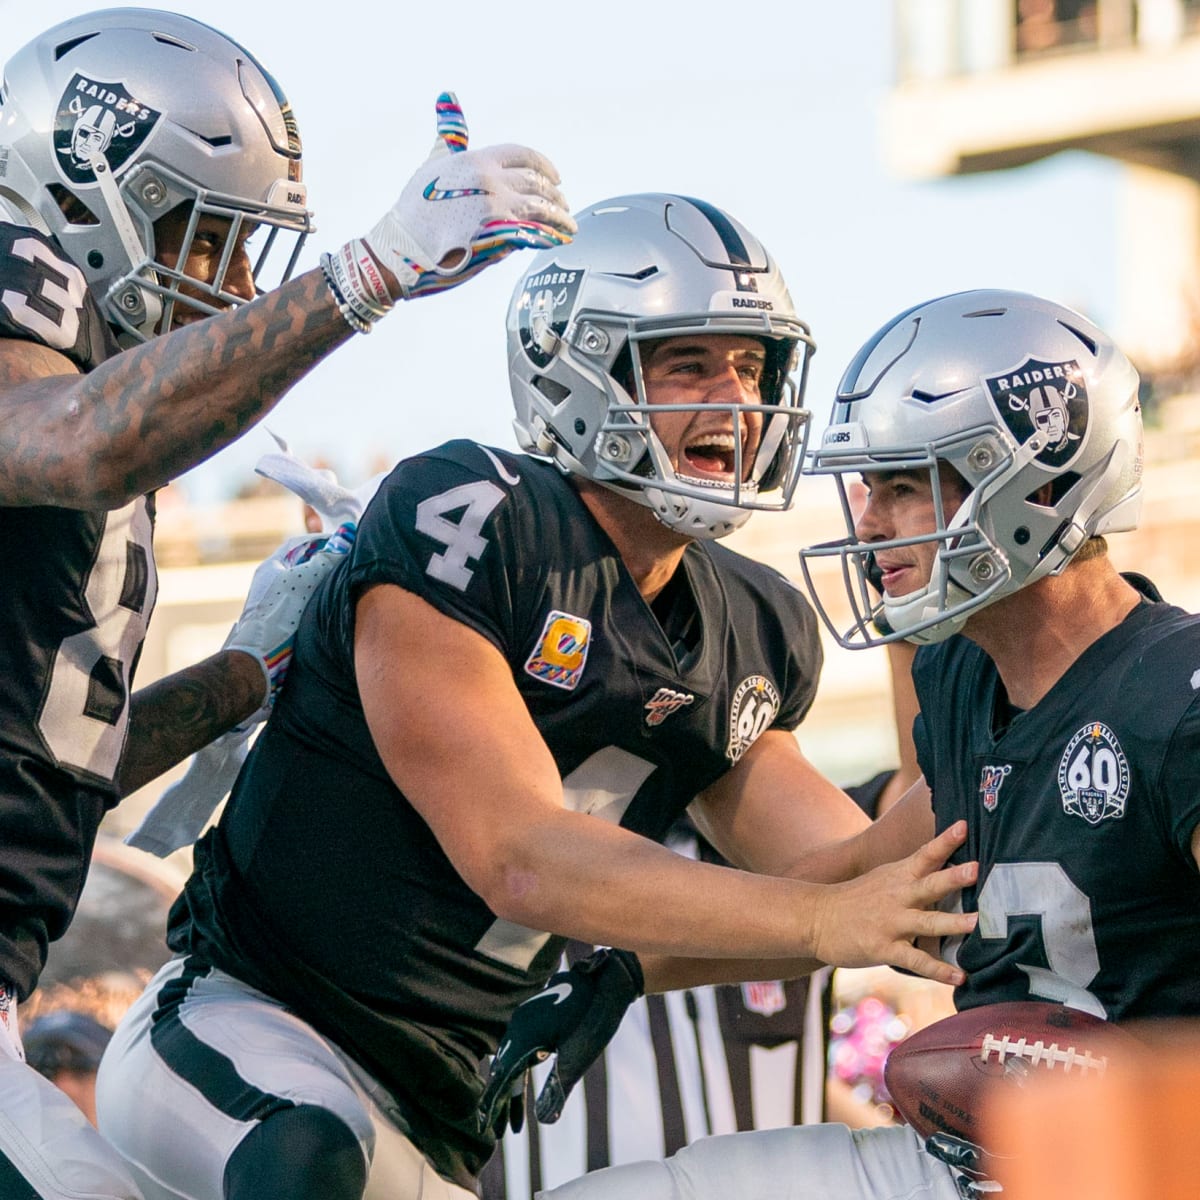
column 1036, row 409
column 111, row 120
column 642, row 268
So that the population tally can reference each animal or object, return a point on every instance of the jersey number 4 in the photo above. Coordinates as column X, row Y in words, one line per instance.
column 86, row 710
column 462, row 537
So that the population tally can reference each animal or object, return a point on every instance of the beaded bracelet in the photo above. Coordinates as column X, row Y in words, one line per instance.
column 357, row 323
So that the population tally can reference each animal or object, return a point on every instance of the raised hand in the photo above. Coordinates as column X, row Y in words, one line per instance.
column 460, row 212
column 878, row 917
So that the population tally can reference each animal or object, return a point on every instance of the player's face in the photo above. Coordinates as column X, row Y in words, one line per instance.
column 900, row 504
column 710, row 369
column 204, row 259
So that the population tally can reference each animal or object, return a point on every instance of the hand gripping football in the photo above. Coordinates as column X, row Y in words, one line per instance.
column 941, row 1077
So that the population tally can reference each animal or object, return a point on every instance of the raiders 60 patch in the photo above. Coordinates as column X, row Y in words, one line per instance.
column 754, row 708
column 1093, row 775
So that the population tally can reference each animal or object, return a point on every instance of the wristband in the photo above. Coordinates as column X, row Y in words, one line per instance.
column 348, row 315
column 357, row 285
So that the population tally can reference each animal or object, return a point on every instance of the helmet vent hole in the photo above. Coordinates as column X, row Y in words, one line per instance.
column 580, row 426
column 95, row 259
column 1021, row 535
column 65, row 48
column 551, row 389
column 1090, row 343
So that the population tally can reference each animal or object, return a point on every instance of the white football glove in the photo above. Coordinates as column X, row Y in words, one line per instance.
column 278, row 593
column 460, row 212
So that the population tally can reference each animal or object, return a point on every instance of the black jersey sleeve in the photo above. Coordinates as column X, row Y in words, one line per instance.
column 806, row 658
column 928, row 670
column 451, row 526
column 1179, row 783
column 44, row 298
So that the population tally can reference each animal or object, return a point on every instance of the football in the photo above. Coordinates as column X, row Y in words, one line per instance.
column 940, row 1077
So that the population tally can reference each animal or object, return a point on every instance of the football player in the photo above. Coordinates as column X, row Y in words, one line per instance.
column 141, row 156
column 1059, row 702
column 530, row 664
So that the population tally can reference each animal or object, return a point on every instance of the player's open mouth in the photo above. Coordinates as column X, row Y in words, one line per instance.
column 712, row 456
column 891, row 575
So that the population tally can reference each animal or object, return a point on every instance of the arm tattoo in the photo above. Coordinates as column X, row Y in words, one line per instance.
column 150, row 413
column 174, row 717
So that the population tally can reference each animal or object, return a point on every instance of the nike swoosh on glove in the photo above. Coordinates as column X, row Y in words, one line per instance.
column 574, row 1017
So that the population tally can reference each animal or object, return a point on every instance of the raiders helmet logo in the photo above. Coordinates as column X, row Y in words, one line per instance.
column 1048, row 400
column 544, row 309
column 97, row 119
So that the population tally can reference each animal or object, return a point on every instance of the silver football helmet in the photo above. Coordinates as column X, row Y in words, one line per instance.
column 111, row 120
column 641, row 268
column 1034, row 407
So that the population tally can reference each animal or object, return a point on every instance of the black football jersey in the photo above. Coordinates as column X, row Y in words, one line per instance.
column 1081, row 812
column 78, row 588
column 324, row 887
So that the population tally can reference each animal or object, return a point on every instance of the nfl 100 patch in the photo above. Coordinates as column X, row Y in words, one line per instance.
column 561, row 651
column 663, row 703
column 991, row 779
column 1093, row 775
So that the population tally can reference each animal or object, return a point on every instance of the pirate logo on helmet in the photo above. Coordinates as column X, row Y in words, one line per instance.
column 1044, row 400
column 98, row 120
column 544, row 309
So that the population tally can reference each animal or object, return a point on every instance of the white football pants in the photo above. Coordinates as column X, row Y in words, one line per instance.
column 803, row 1162
column 176, row 1138
column 46, row 1140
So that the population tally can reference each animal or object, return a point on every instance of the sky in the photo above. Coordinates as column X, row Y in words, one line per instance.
column 773, row 117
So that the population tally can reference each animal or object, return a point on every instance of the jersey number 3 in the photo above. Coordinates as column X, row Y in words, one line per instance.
column 53, row 312
column 86, row 710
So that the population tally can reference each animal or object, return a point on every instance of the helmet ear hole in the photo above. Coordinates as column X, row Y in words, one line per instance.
column 73, row 208
column 554, row 391
column 1050, row 493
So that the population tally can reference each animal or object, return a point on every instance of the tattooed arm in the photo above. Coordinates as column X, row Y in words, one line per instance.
column 174, row 717
column 150, row 413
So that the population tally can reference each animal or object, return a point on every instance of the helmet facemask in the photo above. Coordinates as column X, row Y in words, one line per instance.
column 763, row 475
column 115, row 119
column 963, row 552
column 142, row 300
column 578, row 332
column 1030, row 404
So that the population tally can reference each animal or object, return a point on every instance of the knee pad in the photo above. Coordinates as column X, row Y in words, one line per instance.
column 302, row 1152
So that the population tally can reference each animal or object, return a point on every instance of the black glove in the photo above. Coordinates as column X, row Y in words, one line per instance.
column 966, row 1160
column 574, row 1016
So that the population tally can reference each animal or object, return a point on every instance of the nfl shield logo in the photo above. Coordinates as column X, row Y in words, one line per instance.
column 766, row 997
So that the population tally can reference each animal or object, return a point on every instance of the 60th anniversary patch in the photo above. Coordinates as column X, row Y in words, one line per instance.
column 1093, row 775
